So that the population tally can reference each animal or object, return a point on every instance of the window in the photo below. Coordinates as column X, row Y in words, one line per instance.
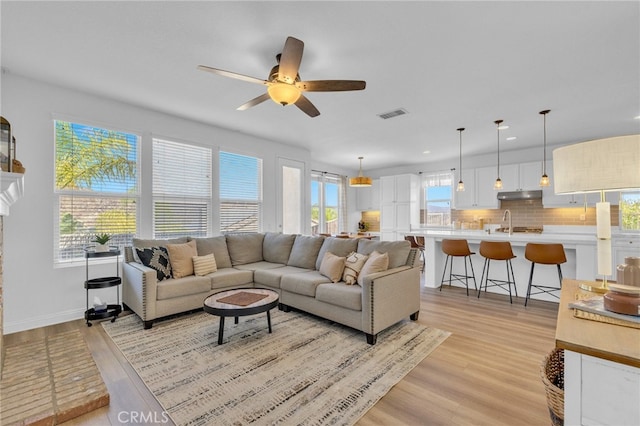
column 436, row 199
column 96, row 187
column 240, row 193
column 181, row 189
column 630, row 211
column 328, row 206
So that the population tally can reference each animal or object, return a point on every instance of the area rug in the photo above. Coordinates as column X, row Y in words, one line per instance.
column 50, row 381
column 309, row 371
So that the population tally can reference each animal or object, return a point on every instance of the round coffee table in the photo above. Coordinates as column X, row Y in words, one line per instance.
column 239, row 303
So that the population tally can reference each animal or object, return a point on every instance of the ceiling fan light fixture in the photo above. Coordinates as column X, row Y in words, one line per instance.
column 361, row 180
column 283, row 93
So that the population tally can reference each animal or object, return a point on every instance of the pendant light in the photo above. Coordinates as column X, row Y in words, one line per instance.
column 360, row 180
column 460, row 187
column 544, row 180
column 498, row 185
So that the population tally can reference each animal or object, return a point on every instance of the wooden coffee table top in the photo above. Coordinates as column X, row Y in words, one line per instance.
column 213, row 305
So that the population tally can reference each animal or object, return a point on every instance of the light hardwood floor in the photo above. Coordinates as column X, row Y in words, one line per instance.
column 486, row 373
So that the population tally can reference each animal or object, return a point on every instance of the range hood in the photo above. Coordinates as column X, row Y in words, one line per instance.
column 520, row 195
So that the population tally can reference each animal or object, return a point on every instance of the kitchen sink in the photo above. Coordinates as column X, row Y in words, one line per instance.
column 521, row 229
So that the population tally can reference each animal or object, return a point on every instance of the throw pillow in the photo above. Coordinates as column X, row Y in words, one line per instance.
column 204, row 265
column 332, row 266
column 377, row 262
column 353, row 264
column 156, row 258
column 181, row 256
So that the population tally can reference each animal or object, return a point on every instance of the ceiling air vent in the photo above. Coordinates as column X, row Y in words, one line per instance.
column 394, row 113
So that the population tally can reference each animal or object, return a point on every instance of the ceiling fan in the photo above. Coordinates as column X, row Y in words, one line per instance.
column 284, row 85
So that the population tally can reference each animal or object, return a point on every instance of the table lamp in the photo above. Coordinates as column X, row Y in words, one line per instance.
column 611, row 164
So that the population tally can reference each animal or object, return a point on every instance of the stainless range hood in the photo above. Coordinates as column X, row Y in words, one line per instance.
column 520, row 195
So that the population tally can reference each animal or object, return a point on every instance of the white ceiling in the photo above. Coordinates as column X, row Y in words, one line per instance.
column 449, row 64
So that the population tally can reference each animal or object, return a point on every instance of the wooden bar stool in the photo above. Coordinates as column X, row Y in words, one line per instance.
column 457, row 248
column 544, row 254
column 497, row 250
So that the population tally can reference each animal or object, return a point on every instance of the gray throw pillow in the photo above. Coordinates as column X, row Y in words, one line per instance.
column 339, row 246
column 216, row 246
column 398, row 250
column 305, row 251
column 245, row 248
column 276, row 247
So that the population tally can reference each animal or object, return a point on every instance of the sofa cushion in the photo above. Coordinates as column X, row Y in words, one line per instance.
column 398, row 250
column 156, row 258
column 377, row 262
column 338, row 246
column 276, row 247
column 181, row 258
column 352, row 266
column 304, row 284
column 305, row 251
column 272, row 277
column 255, row 266
column 216, row 246
column 177, row 287
column 332, row 266
column 230, row 277
column 340, row 294
column 245, row 247
column 204, row 265
column 146, row 243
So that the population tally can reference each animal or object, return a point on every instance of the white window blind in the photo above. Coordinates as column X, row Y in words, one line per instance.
column 240, row 193
column 96, row 187
column 181, row 189
column 437, row 195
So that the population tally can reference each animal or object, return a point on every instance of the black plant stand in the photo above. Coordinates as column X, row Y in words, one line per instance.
column 111, row 311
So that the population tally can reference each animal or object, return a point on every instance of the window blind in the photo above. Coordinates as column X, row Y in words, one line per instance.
column 181, row 189
column 240, row 193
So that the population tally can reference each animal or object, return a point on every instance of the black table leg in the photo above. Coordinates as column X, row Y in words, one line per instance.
column 269, row 320
column 236, row 320
column 221, row 330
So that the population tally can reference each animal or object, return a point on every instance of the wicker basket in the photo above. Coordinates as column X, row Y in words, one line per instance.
column 552, row 372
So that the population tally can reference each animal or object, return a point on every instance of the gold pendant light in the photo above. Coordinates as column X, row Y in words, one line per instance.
column 460, row 186
column 544, row 180
column 360, row 180
column 498, row 185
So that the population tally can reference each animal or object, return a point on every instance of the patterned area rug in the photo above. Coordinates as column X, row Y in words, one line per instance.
column 309, row 371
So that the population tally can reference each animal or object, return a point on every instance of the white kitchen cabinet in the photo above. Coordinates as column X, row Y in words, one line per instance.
column 368, row 198
column 621, row 247
column 465, row 200
column 521, row 177
column 399, row 207
column 479, row 192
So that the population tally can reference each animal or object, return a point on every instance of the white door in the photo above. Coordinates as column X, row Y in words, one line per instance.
column 291, row 196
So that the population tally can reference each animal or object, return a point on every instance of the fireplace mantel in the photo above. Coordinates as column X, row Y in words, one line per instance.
column 11, row 189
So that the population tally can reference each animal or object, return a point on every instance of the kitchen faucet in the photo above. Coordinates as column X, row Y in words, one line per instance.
column 504, row 217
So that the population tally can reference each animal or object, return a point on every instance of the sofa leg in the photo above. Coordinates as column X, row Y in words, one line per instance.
column 285, row 308
column 125, row 307
column 414, row 316
column 148, row 324
column 371, row 338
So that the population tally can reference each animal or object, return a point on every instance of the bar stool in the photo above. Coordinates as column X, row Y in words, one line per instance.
column 544, row 254
column 458, row 248
column 497, row 250
column 414, row 244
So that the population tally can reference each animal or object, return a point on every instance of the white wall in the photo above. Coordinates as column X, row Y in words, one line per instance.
column 35, row 292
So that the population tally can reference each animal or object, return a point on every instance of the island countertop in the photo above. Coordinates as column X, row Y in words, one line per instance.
column 517, row 238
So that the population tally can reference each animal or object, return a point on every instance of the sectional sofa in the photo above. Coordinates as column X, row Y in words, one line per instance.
column 292, row 265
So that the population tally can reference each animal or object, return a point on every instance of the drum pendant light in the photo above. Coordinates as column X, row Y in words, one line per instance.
column 360, row 180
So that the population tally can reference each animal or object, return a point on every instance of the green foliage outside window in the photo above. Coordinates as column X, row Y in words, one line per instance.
column 630, row 211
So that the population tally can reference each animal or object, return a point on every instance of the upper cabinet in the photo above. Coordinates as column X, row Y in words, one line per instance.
column 368, row 197
column 399, row 206
column 478, row 193
column 399, row 189
column 521, row 177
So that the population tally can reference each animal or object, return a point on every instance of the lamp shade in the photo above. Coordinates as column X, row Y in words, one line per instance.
column 283, row 93
column 610, row 164
column 360, row 181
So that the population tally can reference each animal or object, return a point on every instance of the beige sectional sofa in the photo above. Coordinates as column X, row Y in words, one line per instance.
column 288, row 264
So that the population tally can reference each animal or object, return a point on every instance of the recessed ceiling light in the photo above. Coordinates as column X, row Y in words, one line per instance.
column 637, row 117
column 504, row 126
column 511, row 138
column 426, row 152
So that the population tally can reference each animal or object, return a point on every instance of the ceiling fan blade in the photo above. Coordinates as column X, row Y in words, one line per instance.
column 253, row 102
column 290, row 60
column 330, row 85
column 305, row 105
column 232, row 74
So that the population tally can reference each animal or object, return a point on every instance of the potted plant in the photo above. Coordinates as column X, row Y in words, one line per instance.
column 102, row 242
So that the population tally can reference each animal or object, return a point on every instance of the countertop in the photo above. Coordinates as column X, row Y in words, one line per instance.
column 607, row 341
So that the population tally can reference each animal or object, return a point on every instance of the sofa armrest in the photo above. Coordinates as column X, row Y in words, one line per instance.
column 140, row 289
column 388, row 297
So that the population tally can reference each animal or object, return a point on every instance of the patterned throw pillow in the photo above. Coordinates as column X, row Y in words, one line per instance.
column 156, row 258
column 352, row 266
column 204, row 265
column 332, row 266
column 377, row 262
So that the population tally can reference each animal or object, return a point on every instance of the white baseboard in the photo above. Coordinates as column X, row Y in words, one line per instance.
column 42, row 321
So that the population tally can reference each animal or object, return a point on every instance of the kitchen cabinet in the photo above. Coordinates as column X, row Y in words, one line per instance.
column 399, row 207
column 551, row 199
column 479, row 192
column 368, row 198
column 621, row 247
column 521, row 177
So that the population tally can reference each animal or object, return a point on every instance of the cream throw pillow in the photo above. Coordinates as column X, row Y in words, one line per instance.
column 377, row 262
column 352, row 266
column 332, row 266
column 181, row 257
column 204, row 265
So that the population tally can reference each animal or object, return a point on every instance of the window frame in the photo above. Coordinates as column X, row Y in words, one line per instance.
column 425, row 201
